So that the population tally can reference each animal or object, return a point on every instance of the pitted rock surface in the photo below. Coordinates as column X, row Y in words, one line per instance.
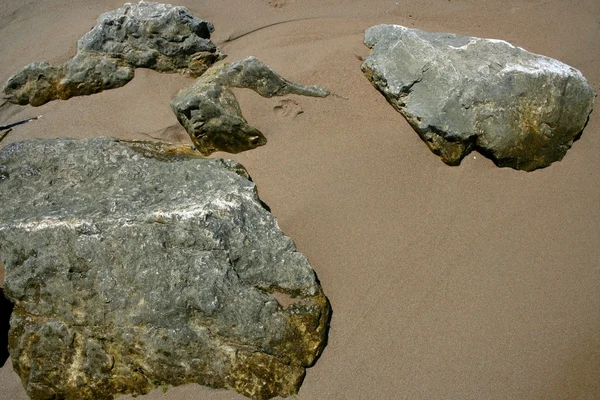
column 210, row 113
column 461, row 93
column 158, row 36
column 134, row 265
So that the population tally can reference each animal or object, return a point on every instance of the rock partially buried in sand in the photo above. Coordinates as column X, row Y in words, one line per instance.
column 210, row 113
column 460, row 93
column 158, row 36
column 137, row 264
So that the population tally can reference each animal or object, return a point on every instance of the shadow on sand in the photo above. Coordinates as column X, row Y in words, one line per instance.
column 6, row 308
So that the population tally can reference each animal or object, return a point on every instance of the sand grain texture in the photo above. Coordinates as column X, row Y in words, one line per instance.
column 461, row 282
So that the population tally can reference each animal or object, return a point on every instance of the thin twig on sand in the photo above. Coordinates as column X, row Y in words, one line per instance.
column 4, row 127
column 3, row 135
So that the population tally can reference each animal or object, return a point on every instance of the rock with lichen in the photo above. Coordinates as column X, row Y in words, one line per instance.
column 158, row 36
column 210, row 113
column 460, row 94
column 134, row 265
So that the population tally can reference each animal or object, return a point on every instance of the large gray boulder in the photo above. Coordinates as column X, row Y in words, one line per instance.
column 134, row 265
column 461, row 93
column 162, row 37
column 210, row 113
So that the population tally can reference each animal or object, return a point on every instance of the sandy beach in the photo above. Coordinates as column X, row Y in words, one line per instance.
column 468, row 282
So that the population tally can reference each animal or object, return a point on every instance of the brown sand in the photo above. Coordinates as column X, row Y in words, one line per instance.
column 468, row 282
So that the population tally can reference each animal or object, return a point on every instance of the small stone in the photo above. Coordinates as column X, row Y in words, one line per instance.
column 210, row 113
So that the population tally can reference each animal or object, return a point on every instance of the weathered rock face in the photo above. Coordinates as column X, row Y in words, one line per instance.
column 211, row 115
column 162, row 37
column 139, row 264
column 460, row 93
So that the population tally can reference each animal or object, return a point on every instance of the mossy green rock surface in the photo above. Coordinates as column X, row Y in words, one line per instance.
column 460, row 93
column 134, row 265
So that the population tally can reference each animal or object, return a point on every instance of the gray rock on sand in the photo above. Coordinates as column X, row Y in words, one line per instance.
column 158, row 36
column 134, row 265
column 210, row 113
column 460, row 93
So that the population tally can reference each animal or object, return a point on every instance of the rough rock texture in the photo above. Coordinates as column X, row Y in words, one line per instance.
column 139, row 264
column 162, row 37
column 211, row 115
column 460, row 93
